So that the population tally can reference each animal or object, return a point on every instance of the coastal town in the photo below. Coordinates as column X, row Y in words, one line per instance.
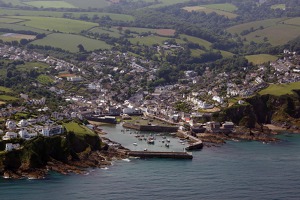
column 110, row 83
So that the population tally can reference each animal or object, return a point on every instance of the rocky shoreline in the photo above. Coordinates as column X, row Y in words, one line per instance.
column 95, row 159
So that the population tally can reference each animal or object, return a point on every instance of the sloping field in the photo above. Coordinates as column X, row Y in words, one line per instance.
column 70, row 42
column 196, row 40
column 293, row 21
column 277, row 35
column 163, row 3
column 153, row 39
column 112, row 32
column 228, row 7
column 278, row 6
column 208, row 10
column 18, row 36
column 9, row 20
column 18, row 27
column 14, row 12
column 89, row 3
column 49, row 4
column 162, row 32
column 56, row 24
column 246, row 26
column 261, row 58
column 281, row 89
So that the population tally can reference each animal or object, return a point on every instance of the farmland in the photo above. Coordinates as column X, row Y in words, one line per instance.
column 261, row 58
column 151, row 40
column 112, row 32
column 44, row 79
column 70, row 42
column 38, row 66
column 196, row 40
column 278, row 6
column 89, row 3
column 76, row 15
column 165, row 3
column 56, row 24
column 228, row 7
column 50, row 4
column 9, row 20
column 285, row 29
column 208, row 10
column 281, row 89
column 18, row 27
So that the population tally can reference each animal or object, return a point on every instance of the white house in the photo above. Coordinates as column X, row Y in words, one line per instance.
column 23, row 134
column 10, row 125
column 9, row 135
column 218, row 99
column 23, row 123
column 46, row 132
column 10, row 146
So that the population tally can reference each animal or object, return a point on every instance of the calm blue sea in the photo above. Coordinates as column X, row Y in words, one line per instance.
column 237, row 170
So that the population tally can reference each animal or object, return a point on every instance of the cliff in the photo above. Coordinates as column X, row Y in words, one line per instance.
column 47, row 152
column 266, row 109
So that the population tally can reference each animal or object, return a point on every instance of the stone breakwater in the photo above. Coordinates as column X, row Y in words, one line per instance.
column 150, row 127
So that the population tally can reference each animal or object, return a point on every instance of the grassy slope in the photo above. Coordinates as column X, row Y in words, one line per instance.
column 70, row 42
column 78, row 129
column 208, row 10
column 261, row 58
column 58, row 24
column 49, row 4
column 13, row 12
column 281, row 89
column 223, row 6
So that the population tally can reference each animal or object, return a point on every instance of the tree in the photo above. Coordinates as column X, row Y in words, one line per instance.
column 81, row 48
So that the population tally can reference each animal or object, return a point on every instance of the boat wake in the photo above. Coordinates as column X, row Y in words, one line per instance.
column 126, row 160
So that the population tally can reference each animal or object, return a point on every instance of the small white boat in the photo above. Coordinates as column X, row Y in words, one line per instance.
column 167, row 145
column 168, row 140
column 134, row 144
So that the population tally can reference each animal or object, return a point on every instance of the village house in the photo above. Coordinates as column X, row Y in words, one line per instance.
column 10, row 125
column 10, row 146
column 9, row 135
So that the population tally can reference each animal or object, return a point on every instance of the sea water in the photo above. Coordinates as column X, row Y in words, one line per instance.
column 236, row 170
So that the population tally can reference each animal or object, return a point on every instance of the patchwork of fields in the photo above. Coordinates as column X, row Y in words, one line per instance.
column 285, row 29
column 261, row 58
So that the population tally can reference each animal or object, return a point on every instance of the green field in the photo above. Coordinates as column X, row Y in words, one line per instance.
column 18, row 27
column 278, row 6
column 196, row 40
column 5, row 89
column 152, row 39
column 38, row 66
column 197, row 52
column 112, row 32
column 163, row 3
column 293, row 21
column 281, row 89
column 246, row 26
column 74, row 3
column 261, row 58
column 76, row 15
column 284, row 33
column 44, row 79
column 89, row 3
column 208, row 10
column 56, row 24
column 7, row 98
column 78, row 129
column 49, row 4
column 285, row 29
column 226, row 54
column 9, row 20
column 70, row 42
column 228, row 7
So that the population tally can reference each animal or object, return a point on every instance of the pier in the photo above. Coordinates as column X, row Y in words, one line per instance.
column 198, row 144
column 155, row 154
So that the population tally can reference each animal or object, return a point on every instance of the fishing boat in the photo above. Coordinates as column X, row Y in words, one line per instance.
column 167, row 145
column 150, row 141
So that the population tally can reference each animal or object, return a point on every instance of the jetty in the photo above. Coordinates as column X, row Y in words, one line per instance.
column 159, row 154
column 197, row 143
